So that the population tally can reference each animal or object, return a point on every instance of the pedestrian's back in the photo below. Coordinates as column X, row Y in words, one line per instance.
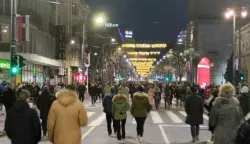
column 66, row 116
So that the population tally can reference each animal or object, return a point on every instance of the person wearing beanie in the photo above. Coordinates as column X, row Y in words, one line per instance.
column 244, row 100
column 22, row 123
column 194, row 110
column 44, row 102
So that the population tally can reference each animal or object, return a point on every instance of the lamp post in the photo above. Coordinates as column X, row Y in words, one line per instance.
column 231, row 13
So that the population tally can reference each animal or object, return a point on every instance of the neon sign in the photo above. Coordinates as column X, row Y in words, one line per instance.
column 110, row 25
column 144, row 45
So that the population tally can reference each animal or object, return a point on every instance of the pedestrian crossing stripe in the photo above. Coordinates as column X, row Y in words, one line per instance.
column 154, row 115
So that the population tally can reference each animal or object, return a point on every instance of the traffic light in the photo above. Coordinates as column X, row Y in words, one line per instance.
column 166, row 78
column 14, row 65
column 21, row 62
column 242, row 77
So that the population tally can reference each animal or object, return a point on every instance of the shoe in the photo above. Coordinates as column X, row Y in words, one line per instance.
column 110, row 134
column 44, row 138
column 119, row 141
column 193, row 140
column 197, row 138
column 139, row 139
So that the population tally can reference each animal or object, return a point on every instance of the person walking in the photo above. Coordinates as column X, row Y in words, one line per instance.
column 81, row 91
column 66, row 116
column 43, row 103
column 22, row 124
column 9, row 97
column 244, row 100
column 151, row 96
column 243, row 131
column 119, row 111
column 194, row 110
column 139, row 110
column 225, row 116
column 107, row 106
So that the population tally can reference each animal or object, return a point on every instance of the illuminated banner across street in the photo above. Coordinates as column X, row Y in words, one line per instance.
column 144, row 53
column 144, row 45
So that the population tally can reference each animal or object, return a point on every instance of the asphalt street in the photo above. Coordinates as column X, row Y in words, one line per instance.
column 161, row 127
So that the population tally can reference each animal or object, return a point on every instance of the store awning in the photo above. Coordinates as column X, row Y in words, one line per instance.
column 34, row 58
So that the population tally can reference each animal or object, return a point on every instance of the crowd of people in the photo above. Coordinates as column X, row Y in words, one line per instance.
column 62, row 111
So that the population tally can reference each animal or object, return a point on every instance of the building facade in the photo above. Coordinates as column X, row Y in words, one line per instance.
column 42, row 63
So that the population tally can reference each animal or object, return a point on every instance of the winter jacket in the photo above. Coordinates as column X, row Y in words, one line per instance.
column 140, row 105
column 120, row 107
column 8, row 99
column 243, row 131
column 224, row 118
column 66, row 116
column 44, row 102
column 151, row 96
column 244, row 100
column 194, row 110
column 107, row 103
column 22, row 124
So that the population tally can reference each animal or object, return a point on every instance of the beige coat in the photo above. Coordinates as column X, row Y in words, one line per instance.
column 66, row 116
column 151, row 96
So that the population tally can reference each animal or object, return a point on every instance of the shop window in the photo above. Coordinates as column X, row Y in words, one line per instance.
column 4, row 33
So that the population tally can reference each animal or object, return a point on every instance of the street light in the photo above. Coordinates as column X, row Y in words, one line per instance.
column 119, row 48
column 113, row 40
column 99, row 20
column 72, row 42
column 243, row 13
column 125, row 56
column 95, row 54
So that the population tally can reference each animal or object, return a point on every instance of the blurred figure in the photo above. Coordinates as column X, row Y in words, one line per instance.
column 151, row 96
column 67, row 115
column 139, row 110
column 22, row 123
column 9, row 97
column 243, row 131
column 81, row 91
column 225, row 115
column 244, row 100
column 119, row 111
column 157, row 96
column 107, row 106
column 194, row 110
column 44, row 102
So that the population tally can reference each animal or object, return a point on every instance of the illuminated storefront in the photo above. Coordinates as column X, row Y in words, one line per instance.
column 203, row 72
column 4, row 70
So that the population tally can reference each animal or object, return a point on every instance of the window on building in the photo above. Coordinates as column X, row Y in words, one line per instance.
column 74, row 9
column 4, row 33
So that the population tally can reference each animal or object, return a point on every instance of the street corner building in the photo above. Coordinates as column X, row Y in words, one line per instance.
column 44, row 32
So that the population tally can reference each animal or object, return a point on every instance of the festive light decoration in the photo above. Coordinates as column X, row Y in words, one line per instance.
column 142, row 59
column 144, row 45
column 144, row 53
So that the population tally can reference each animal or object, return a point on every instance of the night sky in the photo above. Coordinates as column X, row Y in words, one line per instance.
column 150, row 20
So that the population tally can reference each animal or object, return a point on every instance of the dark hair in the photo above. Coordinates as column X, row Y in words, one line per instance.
column 23, row 95
column 112, row 90
column 141, row 89
column 71, row 87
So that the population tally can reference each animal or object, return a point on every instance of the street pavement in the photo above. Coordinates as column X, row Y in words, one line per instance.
column 161, row 127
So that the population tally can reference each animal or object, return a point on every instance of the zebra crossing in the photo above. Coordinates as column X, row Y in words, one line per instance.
column 154, row 117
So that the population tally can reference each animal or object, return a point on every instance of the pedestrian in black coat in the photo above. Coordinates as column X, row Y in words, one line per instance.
column 9, row 98
column 44, row 102
column 194, row 110
column 22, row 123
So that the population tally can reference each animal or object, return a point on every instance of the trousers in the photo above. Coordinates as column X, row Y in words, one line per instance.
column 140, row 125
column 109, row 120
column 120, row 127
column 195, row 130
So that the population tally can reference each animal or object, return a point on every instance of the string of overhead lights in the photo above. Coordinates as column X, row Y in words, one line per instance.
column 144, row 45
column 143, row 53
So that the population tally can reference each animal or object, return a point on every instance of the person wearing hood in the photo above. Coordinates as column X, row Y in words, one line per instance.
column 244, row 100
column 225, row 116
column 22, row 123
column 107, row 106
column 9, row 97
column 43, row 103
column 139, row 110
column 120, row 107
column 66, row 116
column 194, row 110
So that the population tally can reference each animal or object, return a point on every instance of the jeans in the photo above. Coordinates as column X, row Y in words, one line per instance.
column 81, row 97
column 140, row 125
column 195, row 130
column 44, row 126
column 109, row 119
column 118, row 124
column 93, row 99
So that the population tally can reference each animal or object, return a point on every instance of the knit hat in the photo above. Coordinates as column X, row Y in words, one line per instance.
column 244, row 89
column 193, row 89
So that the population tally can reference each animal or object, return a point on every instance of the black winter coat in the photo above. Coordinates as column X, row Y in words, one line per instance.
column 107, row 103
column 8, row 99
column 244, row 100
column 243, row 131
column 194, row 110
column 22, row 124
column 44, row 103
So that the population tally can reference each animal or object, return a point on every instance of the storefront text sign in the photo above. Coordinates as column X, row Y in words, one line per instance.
column 4, row 64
